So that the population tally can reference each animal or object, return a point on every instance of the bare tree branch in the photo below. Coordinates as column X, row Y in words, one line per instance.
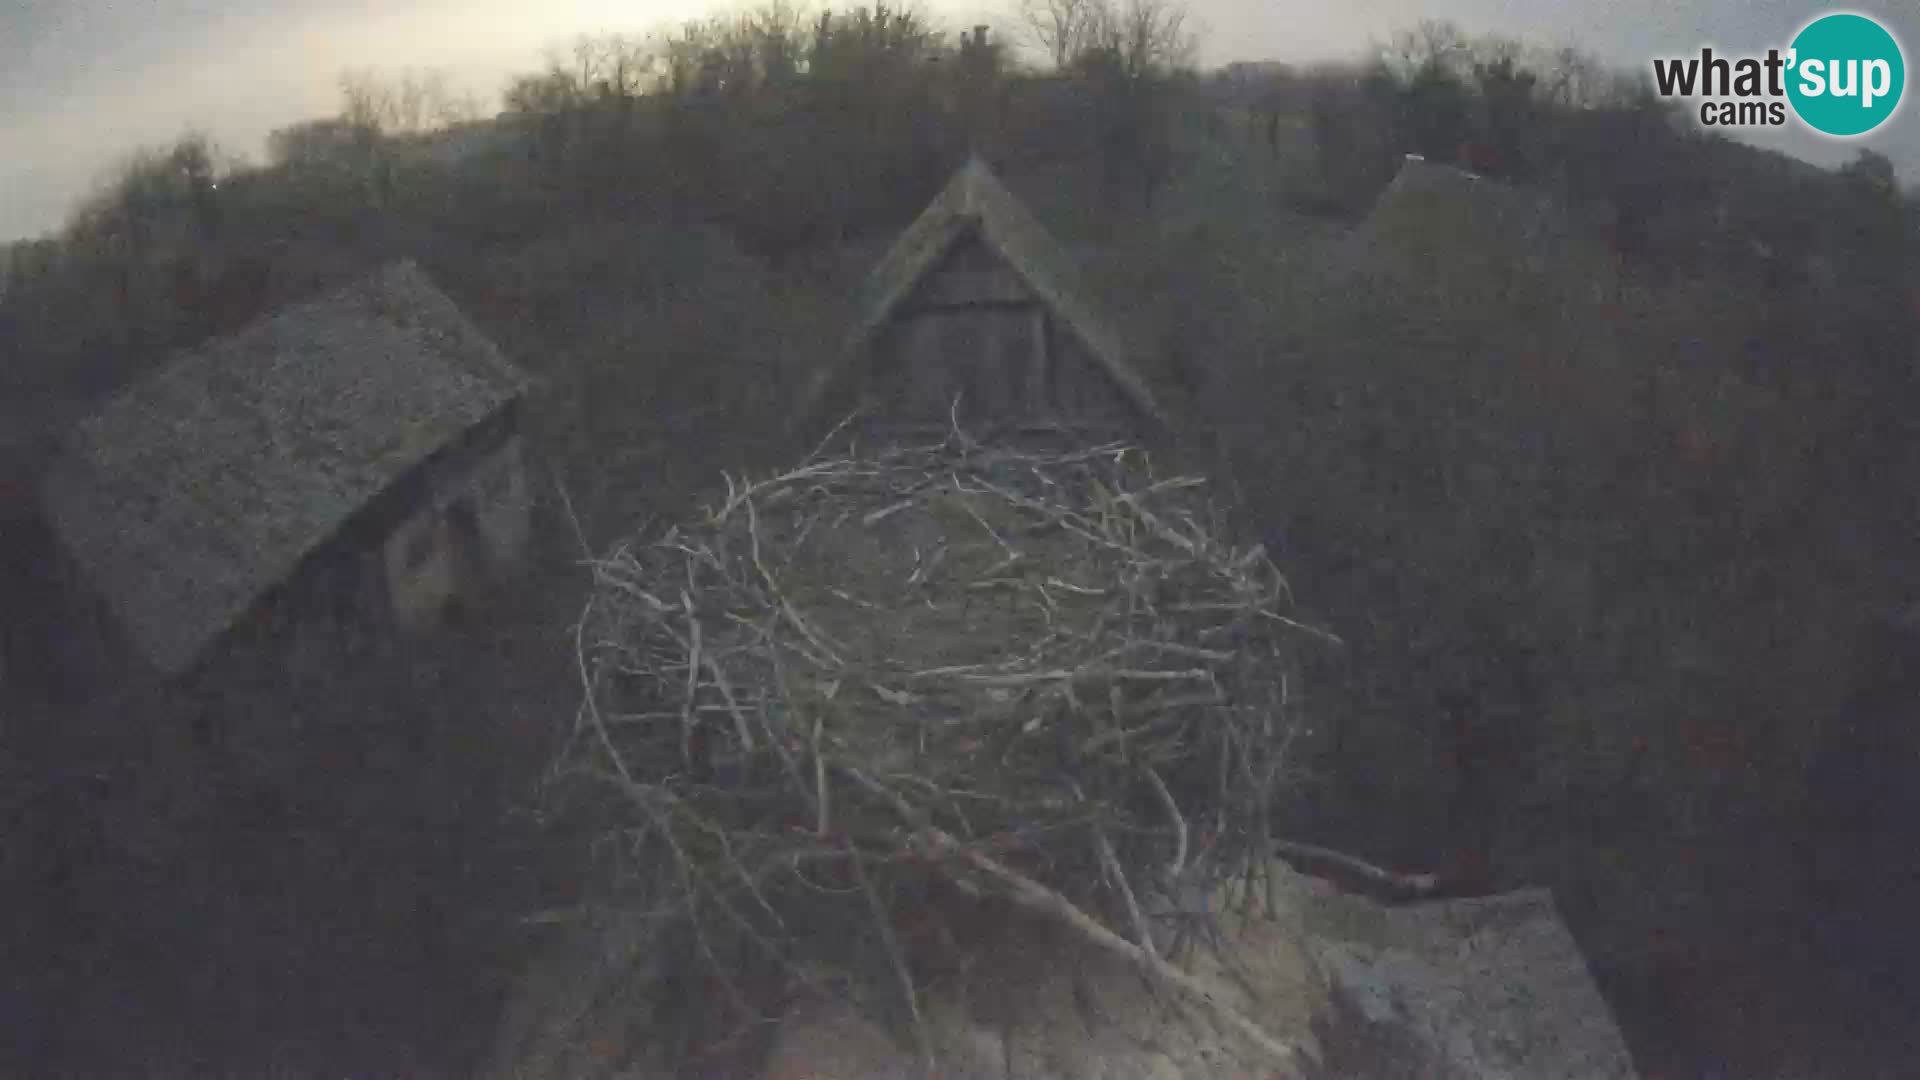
column 1062, row 29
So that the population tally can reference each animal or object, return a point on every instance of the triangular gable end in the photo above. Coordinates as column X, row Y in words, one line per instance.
column 976, row 209
column 970, row 269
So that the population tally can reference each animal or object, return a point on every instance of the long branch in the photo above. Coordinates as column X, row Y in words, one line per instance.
column 1041, row 900
column 1311, row 854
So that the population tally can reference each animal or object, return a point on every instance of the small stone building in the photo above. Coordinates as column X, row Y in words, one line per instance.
column 352, row 461
column 977, row 308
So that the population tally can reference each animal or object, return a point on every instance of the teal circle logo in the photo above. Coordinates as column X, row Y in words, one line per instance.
column 1846, row 74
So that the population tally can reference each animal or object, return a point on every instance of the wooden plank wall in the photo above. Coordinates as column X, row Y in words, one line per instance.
column 973, row 329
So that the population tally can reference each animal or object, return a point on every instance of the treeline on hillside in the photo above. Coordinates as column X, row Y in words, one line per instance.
column 798, row 132
column 123, row 276
column 790, row 132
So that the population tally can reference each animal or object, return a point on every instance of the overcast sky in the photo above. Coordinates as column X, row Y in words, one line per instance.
column 82, row 82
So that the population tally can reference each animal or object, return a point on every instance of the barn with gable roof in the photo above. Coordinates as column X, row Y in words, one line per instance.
column 351, row 461
column 977, row 311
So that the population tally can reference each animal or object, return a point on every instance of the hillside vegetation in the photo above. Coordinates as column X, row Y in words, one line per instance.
column 1607, row 536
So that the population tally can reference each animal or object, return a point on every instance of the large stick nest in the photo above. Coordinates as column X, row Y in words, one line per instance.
column 872, row 682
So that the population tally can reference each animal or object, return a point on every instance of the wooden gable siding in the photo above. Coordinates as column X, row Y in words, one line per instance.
column 970, row 276
column 974, row 330
column 988, row 358
column 1080, row 390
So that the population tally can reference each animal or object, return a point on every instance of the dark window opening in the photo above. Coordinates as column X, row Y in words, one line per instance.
column 418, row 547
column 498, row 481
column 469, row 545
column 470, row 562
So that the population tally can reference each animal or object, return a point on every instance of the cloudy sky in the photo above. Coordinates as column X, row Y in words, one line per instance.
column 84, row 81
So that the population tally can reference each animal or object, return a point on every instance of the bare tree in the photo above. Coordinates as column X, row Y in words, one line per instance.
column 156, row 209
column 410, row 102
column 1150, row 36
column 1430, row 45
column 1572, row 80
column 711, row 56
column 543, row 94
column 588, row 58
column 374, row 108
column 595, row 66
column 1133, row 50
column 312, row 144
column 363, row 100
column 462, row 108
column 778, row 30
column 628, row 63
column 880, row 42
column 156, row 184
column 1063, row 29
column 1144, row 35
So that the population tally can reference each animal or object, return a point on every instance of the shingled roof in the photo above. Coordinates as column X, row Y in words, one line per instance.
column 200, row 487
column 1491, row 987
column 1442, row 214
column 975, row 202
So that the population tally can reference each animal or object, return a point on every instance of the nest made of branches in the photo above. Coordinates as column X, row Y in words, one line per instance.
column 852, row 694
